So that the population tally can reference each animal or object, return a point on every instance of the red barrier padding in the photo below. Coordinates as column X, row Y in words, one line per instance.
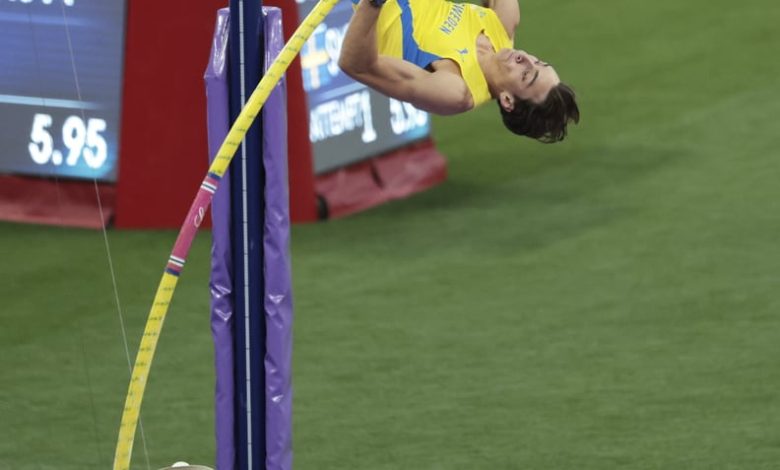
column 55, row 202
column 392, row 176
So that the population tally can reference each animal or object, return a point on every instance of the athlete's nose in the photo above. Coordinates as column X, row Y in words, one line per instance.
column 524, row 58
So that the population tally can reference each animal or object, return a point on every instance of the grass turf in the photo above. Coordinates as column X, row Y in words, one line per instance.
column 608, row 302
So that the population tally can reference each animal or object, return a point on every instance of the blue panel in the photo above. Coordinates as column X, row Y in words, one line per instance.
column 348, row 121
column 60, row 87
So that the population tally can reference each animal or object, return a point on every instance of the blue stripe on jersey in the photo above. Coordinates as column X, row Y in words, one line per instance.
column 412, row 52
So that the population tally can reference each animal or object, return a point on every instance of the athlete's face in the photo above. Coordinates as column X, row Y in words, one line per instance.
column 527, row 77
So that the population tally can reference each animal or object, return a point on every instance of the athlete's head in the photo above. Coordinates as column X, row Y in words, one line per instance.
column 532, row 99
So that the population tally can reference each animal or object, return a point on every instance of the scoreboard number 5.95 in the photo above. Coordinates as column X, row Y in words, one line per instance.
column 80, row 139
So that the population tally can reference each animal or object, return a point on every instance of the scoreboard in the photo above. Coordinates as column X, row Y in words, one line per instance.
column 61, row 65
column 348, row 122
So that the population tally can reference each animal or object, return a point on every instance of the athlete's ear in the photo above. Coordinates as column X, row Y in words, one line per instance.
column 507, row 101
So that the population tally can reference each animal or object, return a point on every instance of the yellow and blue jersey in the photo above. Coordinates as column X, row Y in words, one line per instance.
column 422, row 31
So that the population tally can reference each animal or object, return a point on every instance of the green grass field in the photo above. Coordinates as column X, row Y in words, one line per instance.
column 606, row 303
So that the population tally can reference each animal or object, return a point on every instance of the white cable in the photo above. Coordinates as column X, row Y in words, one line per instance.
column 105, row 235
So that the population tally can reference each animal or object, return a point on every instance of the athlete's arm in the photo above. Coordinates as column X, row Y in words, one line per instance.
column 440, row 92
column 508, row 11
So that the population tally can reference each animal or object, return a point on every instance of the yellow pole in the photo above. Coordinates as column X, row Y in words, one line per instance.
column 162, row 299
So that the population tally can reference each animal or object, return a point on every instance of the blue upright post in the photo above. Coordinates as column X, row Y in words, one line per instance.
column 247, row 183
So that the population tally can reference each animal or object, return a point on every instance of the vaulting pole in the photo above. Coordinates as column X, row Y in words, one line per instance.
column 177, row 259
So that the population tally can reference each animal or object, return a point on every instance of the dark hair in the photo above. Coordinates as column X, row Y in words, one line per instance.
column 545, row 121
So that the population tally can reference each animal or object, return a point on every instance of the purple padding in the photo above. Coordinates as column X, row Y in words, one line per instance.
column 276, row 236
column 278, row 289
column 221, row 283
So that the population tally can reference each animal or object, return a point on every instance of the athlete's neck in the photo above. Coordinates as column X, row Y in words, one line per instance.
column 486, row 57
